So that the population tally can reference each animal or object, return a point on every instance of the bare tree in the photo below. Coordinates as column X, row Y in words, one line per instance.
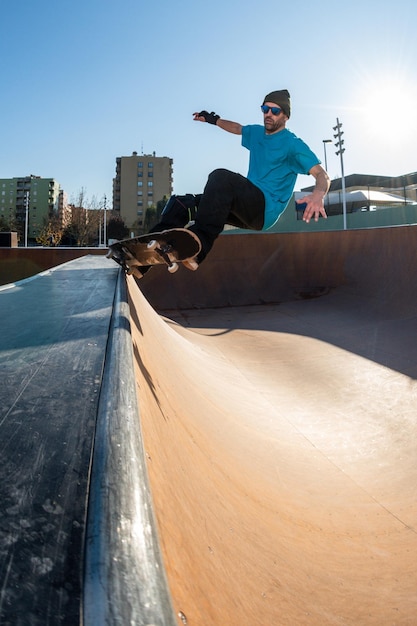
column 85, row 219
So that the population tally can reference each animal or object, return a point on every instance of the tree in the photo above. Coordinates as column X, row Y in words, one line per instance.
column 153, row 215
column 84, row 224
column 4, row 225
column 51, row 233
column 151, row 219
column 9, row 224
column 116, row 228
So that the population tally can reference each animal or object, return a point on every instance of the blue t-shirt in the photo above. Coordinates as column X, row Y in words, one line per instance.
column 274, row 163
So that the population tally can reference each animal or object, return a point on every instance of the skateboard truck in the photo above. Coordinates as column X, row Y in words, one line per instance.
column 164, row 251
column 127, row 261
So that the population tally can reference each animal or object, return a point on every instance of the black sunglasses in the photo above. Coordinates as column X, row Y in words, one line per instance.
column 274, row 110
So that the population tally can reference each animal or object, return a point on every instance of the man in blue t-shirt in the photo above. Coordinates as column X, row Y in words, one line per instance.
column 276, row 157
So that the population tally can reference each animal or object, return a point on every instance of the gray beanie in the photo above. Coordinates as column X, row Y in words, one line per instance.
column 282, row 99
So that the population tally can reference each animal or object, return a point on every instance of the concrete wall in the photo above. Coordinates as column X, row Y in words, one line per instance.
column 19, row 263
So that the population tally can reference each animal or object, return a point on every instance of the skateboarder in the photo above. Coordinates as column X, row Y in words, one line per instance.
column 276, row 157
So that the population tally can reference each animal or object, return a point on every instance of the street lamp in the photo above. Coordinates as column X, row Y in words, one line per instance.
column 325, row 164
column 339, row 144
column 325, row 154
column 26, row 217
column 105, row 222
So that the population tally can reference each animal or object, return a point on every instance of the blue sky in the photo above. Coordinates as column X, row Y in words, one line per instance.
column 86, row 81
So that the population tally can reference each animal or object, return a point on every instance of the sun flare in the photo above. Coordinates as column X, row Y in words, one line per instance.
column 388, row 106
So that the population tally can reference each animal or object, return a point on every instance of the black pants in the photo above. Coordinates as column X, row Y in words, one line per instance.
column 228, row 198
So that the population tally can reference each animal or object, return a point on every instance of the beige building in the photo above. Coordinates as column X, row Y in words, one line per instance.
column 141, row 181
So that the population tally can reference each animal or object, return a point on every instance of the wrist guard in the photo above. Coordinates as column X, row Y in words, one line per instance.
column 211, row 118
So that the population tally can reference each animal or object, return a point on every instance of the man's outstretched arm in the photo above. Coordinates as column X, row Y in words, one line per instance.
column 212, row 118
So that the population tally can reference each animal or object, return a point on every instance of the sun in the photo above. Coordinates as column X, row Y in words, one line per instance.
column 388, row 107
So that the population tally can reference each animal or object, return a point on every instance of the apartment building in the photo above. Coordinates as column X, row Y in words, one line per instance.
column 38, row 198
column 141, row 181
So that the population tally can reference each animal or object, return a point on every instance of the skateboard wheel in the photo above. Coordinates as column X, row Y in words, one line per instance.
column 152, row 244
column 173, row 268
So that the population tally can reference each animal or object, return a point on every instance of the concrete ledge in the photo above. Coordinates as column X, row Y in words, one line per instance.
column 65, row 366
column 125, row 581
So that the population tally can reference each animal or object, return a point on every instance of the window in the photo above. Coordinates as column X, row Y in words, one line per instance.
column 150, row 165
column 140, row 183
column 150, row 183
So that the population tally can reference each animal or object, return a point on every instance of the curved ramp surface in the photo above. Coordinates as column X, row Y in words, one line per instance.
column 281, row 438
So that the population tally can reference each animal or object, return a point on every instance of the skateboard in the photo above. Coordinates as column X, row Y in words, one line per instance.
column 169, row 247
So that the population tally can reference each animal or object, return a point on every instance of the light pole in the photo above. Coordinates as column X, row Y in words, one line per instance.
column 325, row 163
column 325, row 153
column 26, row 217
column 339, row 144
column 105, row 222
column 405, row 189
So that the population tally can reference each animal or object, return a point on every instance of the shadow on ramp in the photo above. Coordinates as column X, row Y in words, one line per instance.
column 280, row 438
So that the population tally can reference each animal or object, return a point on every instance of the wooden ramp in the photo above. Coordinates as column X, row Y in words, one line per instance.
column 281, row 437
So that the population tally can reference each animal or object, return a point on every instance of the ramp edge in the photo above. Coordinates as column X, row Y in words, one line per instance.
column 124, row 579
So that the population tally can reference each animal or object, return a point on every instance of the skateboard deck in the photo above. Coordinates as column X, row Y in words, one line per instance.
column 169, row 247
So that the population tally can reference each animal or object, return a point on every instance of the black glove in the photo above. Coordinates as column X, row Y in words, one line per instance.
column 211, row 118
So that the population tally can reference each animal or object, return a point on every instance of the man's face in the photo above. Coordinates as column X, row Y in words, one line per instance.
column 274, row 123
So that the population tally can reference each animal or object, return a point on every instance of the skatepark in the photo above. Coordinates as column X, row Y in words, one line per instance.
column 225, row 447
